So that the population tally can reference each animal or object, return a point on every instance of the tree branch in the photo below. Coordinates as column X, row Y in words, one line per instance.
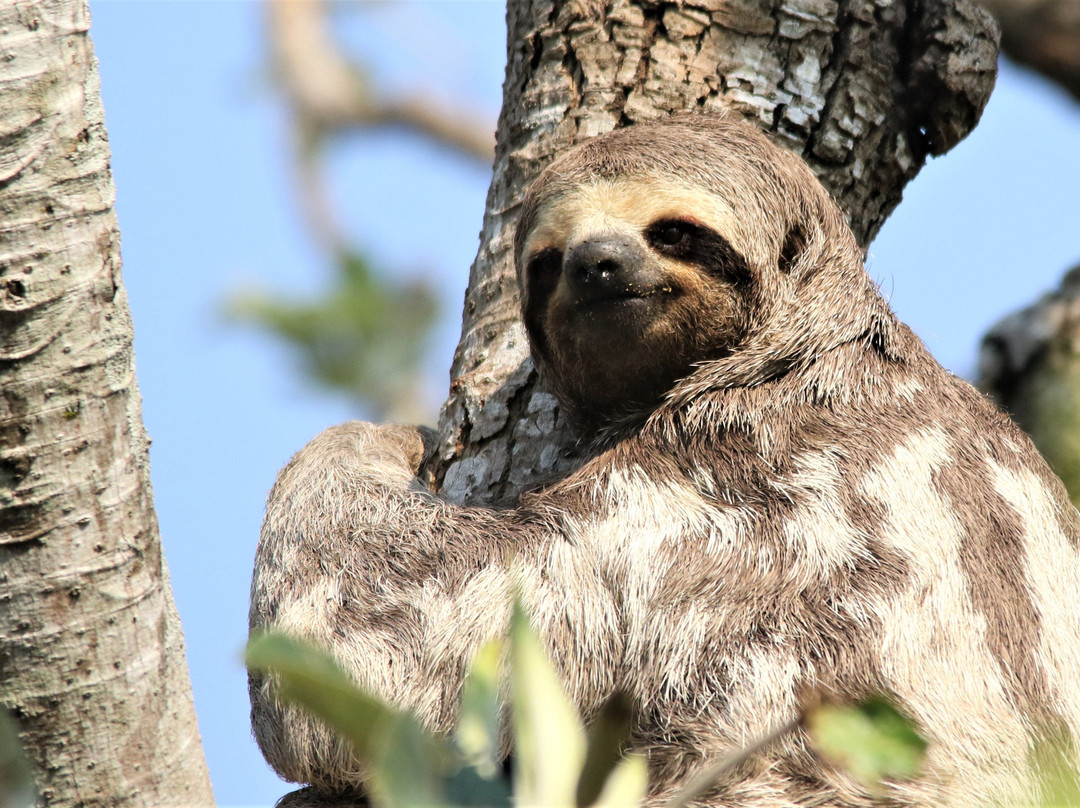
column 331, row 93
column 1044, row 35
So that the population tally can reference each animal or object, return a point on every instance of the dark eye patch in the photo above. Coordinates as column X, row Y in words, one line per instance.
column 541, row 276
column 699, row 245
column 673, row 237
column 544, row 267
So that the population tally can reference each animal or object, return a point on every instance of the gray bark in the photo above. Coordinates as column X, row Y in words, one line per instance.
column 91, row 656
column 864, row 90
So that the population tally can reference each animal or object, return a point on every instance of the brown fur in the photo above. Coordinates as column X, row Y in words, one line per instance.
column 809, row 502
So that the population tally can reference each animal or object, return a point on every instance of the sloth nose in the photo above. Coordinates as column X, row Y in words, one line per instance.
column 601, row 268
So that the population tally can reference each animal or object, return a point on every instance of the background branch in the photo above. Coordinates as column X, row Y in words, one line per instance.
column 1044, row 35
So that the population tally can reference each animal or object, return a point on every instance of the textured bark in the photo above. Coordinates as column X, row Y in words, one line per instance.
column 91, row 655
column 1030, row 364
column 1044, row 35
column 864, row 90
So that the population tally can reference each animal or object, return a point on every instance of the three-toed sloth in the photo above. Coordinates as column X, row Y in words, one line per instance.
column 785, row 494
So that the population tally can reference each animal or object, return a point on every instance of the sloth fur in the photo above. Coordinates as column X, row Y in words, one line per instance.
column 787, row 494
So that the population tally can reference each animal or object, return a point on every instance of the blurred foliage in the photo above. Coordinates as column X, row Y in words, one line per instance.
column 604, row 746
column 1058, row 775
column 872, row 741
column 411, row 767
column 556, row 762
column 477, row 732
column 408, row 766
column 365, row 336
column 1029, row 364
column 16, row 778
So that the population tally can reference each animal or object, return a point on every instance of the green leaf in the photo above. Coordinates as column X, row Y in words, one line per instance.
column 626, row 785
column 366, row 336
column 411, row 766
column 1059, row 779
column 603, row 749
column 468, row 787
column 405, row 762
column 550, row 739
column 872, row 741
column 478, row 727
column 312, row 679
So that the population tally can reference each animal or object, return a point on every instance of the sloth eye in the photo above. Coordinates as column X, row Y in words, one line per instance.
column 695, row 244
column 672, row 236
column 544, row 266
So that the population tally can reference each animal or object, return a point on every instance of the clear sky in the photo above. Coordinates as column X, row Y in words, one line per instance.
column 201, row 163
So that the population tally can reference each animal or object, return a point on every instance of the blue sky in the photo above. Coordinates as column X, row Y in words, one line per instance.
column 204, row 196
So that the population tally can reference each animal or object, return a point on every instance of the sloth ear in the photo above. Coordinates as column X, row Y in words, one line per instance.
column 794, row 243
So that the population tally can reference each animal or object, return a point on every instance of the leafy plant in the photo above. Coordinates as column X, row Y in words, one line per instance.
column 555, row 763
column 872, row 741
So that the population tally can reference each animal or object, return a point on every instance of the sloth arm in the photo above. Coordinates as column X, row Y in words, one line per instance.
column 356, row 556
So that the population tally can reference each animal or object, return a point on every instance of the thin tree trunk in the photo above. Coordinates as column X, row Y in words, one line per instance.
column 91, row 654
column 863, row 90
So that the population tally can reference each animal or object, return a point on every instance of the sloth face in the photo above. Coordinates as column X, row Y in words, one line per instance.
column 629, row 283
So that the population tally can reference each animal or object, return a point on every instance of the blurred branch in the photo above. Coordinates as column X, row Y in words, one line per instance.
column 331, row 92
column 1044, row 35
column 367, row 335
column 1030, row 364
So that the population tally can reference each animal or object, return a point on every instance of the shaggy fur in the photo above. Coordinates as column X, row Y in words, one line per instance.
column 787, row 494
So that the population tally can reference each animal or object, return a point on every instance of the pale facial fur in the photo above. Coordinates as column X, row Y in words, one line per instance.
column 625, row 207
column 657, row 327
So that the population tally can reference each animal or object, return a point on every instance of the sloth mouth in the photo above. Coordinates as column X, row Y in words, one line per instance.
column 622, row 297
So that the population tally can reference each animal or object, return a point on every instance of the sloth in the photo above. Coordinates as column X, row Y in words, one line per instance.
column 783, row 493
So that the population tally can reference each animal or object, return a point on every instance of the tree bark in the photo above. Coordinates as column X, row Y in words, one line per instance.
column 864, row 90
column 91, row 655
column 1044, row 35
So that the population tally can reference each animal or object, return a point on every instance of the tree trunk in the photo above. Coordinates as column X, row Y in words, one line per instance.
column 864, row 90
column 91, row 654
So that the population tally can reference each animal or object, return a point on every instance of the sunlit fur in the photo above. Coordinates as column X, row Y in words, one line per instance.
column 812, row 505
